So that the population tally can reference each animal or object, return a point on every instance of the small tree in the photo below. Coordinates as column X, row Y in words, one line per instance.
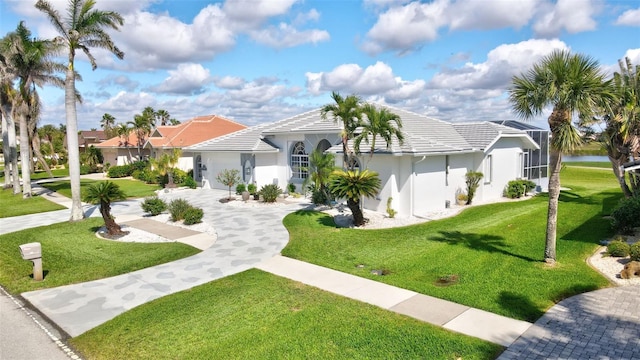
column 473, row 181
column 229, row 178
column 104, row 193
column 165, row 165
column 353, row 185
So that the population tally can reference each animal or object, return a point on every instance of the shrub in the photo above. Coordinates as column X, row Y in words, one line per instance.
column 139, row 165
column 252, row 188
column 472, row 179
column 319, row 197
column 179, row 176
column 120, row 171
column 618, row 248
column 518, row 188
column 634, row 251
column 154, row 205
column 85, row 169
column 291, row 188
column 190, row 183
column 270, row 192
column 177, row 209
column 390, row 211
column 240, row 188
column 193, row 215
column 626, row 215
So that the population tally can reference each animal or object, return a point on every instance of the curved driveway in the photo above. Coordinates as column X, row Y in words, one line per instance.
column 246, row 236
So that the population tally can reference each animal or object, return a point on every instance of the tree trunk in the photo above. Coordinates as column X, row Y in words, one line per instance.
column 25, row 162
column 552, row 214
column 6, row 152
column 356, row 212
column 13, row 151
column 112, row 227
column 615, row 164
column 35, row 146
column 72, row 141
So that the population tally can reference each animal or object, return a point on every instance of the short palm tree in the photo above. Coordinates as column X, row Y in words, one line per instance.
column 381, row 123
column 321, row 165
column 347, row 111
column 82, row 29
column 353, row 185
column 570, row 84
column 166, row 163
column 108, row 122
column 103, row 194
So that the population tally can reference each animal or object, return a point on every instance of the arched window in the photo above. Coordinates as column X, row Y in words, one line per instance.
column 323, row 145
column 299, row 161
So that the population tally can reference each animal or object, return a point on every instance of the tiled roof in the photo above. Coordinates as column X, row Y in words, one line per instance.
column 482, row 135
column 97, row 135
column 518, row 125
column 189, row 133
column 117, row 142
column 307, row 123
column 247, row 140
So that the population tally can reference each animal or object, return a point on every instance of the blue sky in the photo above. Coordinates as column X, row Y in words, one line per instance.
column 255, row 61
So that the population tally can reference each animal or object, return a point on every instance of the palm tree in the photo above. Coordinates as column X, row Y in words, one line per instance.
column 107, row 123
column 571, row 84
column 9, row 143
column 381, row 123
column 353, row 185
column 103, row 194
column 621, row 137
column 163, row 116
column 123, row 131
column 165, row 164
column 83, row 28
column 347, row 111
column 30, row 61
column 142, row 126
column 321, row 165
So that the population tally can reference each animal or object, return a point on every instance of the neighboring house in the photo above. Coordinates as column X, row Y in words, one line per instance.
column 536, row 161
column 87, row 138
column 165, row 139
column 423, row 174
column 120, row 150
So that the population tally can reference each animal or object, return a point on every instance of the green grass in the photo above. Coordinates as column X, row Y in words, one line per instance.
column 593, row 164
column 72, row 254
column 496, row 250
column 133, row 188
column 38, row 175
column 15, row 205
column 591, row 148
column 255, row 315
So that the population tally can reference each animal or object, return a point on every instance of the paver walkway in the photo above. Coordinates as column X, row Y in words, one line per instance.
column 252, row 237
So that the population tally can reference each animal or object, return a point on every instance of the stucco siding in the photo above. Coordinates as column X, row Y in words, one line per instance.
column 215, row 163
column 266, row 170
column 429, row 184
column 506, row 166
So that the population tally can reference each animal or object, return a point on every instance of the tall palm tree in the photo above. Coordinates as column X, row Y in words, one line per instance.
column 142, row 126
column 570, row 84
column 103, row 194
column 123, row 131
column 9, row 143
column 30, row 59
column 82, row 29
column 621, row 137
column 347, row 111
column 381, row 123
column 163, row 116
column 107, row 123
column 353, row 185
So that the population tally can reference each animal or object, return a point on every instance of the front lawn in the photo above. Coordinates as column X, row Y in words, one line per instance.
column 71, row 253
column 133, row 188
column 15, row 205
column 494, row 250
column 256, row 315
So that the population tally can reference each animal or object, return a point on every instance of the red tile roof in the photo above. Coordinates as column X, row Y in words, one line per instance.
column 191, row 132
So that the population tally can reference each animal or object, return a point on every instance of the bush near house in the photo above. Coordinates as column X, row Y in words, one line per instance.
column 618, row 248
column 193, row 215
column 270, row 193
column 472, row 178
column 120, row 171
column 518, row 188
column 240, row 188
column 153, row 205
column 626, row 216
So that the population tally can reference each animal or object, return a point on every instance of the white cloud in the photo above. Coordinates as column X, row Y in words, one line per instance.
column 252, row 13
column 629, row 18
column 483, row 14
column 229, row 82
column 572, row 16
column 285, row 36
column 118, row 80
column 502, row 64
column 186, row 79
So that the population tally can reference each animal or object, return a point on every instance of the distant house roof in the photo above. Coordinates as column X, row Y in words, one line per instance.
column 91, row 137
column 518, row 125
column 193, row 131
column 423, row 135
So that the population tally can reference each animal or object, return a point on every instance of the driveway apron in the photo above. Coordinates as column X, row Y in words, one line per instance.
column 245, row 237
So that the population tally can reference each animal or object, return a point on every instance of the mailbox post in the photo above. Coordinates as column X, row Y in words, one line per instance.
column 33, row 252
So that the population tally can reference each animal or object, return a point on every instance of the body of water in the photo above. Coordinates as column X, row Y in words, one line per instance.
column 590, row 158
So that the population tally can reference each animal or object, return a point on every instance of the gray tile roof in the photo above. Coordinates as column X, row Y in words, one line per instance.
column 423, row 135
column 246, row 140
column 518, row 125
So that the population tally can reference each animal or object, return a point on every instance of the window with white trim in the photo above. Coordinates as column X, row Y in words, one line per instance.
column 299, row 161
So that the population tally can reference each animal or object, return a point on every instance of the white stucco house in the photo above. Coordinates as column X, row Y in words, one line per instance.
column 422, row 175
